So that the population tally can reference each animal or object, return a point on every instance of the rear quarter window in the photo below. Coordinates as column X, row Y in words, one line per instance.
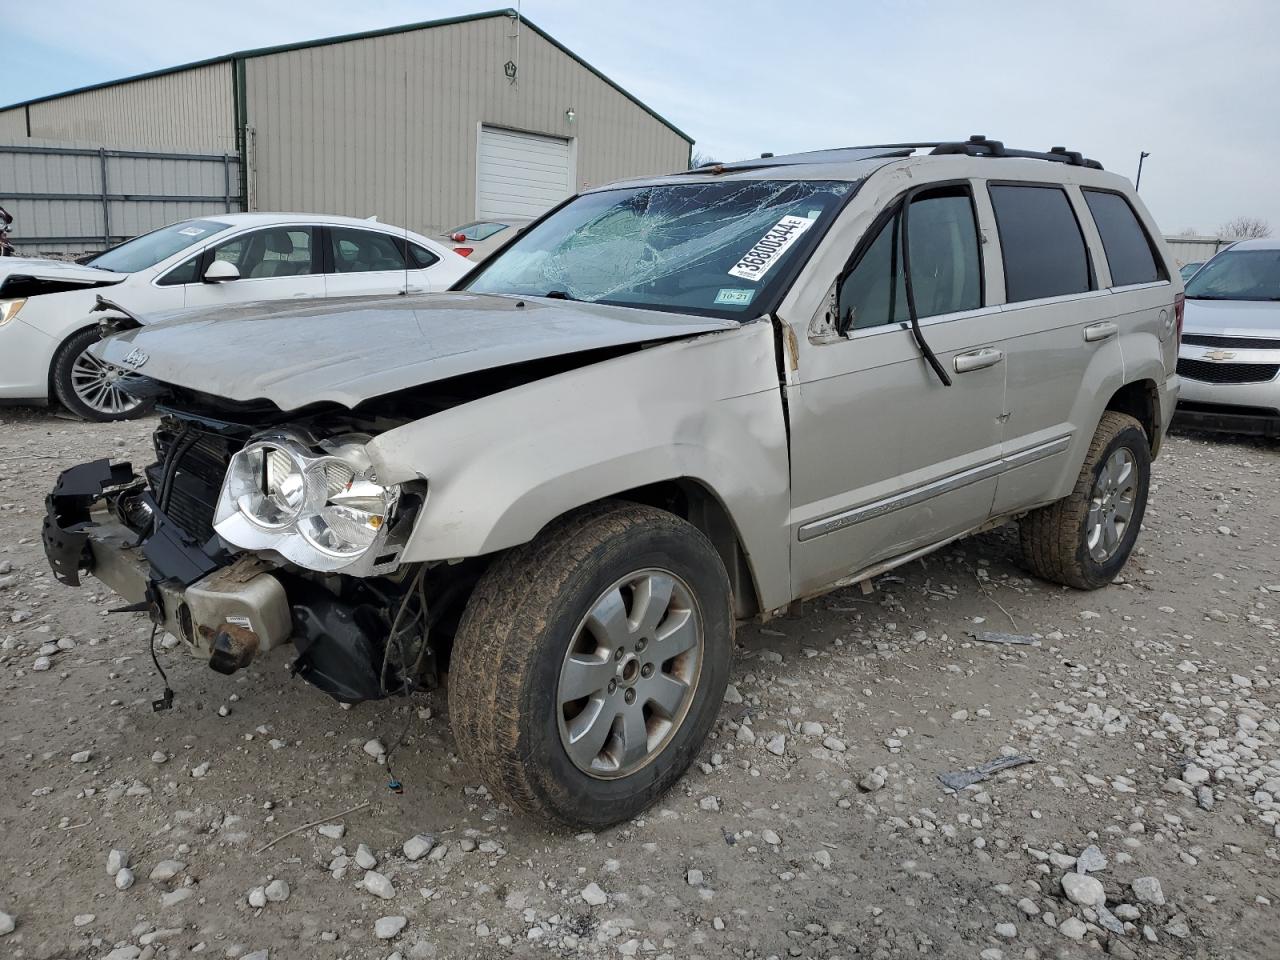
column 1040, row 240
column 1126, row 244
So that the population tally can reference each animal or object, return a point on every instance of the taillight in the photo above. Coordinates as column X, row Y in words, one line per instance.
column 467, row 251
column 1179, row 308
column 459, row 238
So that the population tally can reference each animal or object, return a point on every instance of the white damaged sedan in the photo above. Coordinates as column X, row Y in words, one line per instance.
column 47, row 318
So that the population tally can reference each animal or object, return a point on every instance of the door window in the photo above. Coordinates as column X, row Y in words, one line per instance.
column 946, row 268
column 364, row 251
column 1126, row 244
column 186, row 272
column 274, row 252
column 1043, row 249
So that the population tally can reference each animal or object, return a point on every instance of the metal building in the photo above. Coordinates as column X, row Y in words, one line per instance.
column 429, row 125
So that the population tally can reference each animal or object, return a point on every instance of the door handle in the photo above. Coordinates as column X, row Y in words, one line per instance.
column 1100, row 331
column 977, row 360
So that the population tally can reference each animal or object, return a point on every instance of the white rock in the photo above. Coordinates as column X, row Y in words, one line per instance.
column 1006, row 930
column 811, row 728
column 387, row 928
column 83, row 756
column 871, row 782
column 332, row 831
column 1083, row 889
column 378, row 885
column 375, row 749
column 1028, row 907
column 159, row 757
column 41, row 664
column 167, row 870
column 834, row 744
column 277, row 891
column 593, row 895
column 768, row 836
column 200, row 770
column 777, row 746
column 175, row 897
column 117, row 860
column 1073, row 928
column 83, row 919
column 745, row 734
column 258, row 898
column 418, row 846
column 365, row 859
column 1195, row 775
column 1147, row 890
column 124, row 878
column 694, row 877
column 731, row 694
column 7, row 924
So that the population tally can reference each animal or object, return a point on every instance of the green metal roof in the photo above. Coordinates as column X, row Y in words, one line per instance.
column 385, row 31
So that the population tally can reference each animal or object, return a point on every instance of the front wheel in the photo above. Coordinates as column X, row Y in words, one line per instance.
column 591, row 663
column 88, row 387
column 1084, row 539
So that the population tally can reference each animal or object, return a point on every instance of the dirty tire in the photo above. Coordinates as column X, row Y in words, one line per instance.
column 1054, row 538
column 517, row 629
column 60, row 378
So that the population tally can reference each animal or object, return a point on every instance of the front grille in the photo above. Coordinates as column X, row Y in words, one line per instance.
column 1240, row 343
column 1209, row 371
column 197, row 479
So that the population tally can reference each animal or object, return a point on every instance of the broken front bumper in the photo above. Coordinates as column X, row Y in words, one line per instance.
column 224, row 609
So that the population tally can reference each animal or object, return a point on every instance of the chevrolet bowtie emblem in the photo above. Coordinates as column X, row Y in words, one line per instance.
column 1220, row 355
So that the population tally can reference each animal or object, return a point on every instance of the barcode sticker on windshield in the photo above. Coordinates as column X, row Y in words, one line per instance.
column 769, row 249
column 191, row 231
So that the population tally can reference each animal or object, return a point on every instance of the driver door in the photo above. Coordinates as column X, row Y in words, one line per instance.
column 275, row 263
column 886, row 459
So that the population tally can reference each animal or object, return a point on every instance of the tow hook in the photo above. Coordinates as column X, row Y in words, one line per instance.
column 233, row 647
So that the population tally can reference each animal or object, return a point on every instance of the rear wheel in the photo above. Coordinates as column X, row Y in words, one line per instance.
column 1084, row 539
column 90, row 388
column 591, row 664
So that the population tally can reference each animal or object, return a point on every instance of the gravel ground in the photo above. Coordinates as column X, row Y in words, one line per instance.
column 813, row 825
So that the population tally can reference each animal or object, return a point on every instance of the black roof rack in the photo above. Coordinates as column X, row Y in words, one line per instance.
column 980, row 146
column 975, row 146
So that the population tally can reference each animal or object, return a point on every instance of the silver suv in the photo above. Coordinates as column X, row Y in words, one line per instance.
column 670, row 405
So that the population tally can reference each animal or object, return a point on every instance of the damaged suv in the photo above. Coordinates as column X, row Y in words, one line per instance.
column 669, row 406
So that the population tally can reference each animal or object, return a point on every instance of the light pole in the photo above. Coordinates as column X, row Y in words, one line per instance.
column 1141, row 156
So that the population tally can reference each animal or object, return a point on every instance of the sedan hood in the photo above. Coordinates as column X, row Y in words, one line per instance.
column 1232, row 318
column 12, row 269
column 348, row 351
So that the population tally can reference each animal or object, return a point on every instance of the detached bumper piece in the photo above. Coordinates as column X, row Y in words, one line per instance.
column 101, row 519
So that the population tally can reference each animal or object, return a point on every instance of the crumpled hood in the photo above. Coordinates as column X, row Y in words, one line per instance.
column 1232, row 318
column 55, row 270
column 347, row 351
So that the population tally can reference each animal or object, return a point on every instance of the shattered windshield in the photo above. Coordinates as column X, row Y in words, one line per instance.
column 714, row 248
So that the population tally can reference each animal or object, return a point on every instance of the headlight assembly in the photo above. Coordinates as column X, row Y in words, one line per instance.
column 322, row 510
column 9, row 309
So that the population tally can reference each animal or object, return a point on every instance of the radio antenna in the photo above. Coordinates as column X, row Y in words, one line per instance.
column 404, row 146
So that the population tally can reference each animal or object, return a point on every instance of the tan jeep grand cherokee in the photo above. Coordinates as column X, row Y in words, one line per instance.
column 669, row 405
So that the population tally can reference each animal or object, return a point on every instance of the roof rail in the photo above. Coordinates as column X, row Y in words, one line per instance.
column 979, row 146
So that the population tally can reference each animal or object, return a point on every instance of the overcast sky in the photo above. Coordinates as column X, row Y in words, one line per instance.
column 1195, row 83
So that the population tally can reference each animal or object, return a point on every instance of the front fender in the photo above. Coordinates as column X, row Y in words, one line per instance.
column 501, row 468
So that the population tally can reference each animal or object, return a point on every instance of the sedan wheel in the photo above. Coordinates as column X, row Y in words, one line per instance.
column 98, row 385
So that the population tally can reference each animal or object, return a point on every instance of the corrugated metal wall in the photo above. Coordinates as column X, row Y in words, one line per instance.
column 13, row 124
column 187, row 110
column 56, row 194
column 1193, row 249
column 390, row 125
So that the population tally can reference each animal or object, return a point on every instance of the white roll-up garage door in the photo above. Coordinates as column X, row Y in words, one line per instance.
column 520, row 174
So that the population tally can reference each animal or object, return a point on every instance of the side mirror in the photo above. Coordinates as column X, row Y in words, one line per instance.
column 220, row 271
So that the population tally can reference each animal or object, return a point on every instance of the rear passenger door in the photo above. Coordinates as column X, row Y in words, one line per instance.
column 1063, row 354
column 885, row 458
column 364, row 263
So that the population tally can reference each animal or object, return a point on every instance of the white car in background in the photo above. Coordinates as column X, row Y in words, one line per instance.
column 47, row 320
